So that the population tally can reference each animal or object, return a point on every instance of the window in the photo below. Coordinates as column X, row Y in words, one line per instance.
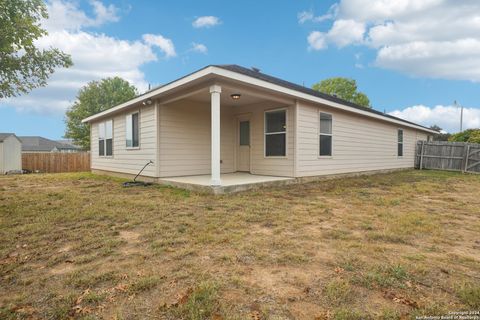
column 132, row 136
column 400, row 143
column 275, row 133
column 105, row 138
column 101, row 139
column 245, row 133
column 325, row 134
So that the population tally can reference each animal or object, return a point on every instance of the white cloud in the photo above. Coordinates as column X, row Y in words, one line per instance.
column 306, row 16
column 166, row 45
column 317, row 40
column 104, row 13
column 446, row 60
column 342, row 33
column 95, row 56
column 200, row 48
column 428, row 38
column 206, row 22
column 345, row 32
column 446, row 117
column 64, row 15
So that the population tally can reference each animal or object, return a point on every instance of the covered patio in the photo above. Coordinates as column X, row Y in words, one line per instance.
column 213, row 137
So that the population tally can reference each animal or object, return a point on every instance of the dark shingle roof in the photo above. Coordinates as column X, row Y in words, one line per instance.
column 290, row 85
column 5, row 135
column 36, row 143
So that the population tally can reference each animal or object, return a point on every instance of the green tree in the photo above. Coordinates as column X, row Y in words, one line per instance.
column 23, row 66
column 440, row 136
column 343, row 88
column 93, row 98
column 469, row 135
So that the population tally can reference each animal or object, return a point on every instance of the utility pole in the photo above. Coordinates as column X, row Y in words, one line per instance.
column 461, row 115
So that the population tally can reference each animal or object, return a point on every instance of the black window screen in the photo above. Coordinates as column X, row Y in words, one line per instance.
column 135, row 140
column 276, row 133
column 325, row 134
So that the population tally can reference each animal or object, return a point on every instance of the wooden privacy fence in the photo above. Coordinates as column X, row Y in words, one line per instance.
column 56, row 162
column 443, row 155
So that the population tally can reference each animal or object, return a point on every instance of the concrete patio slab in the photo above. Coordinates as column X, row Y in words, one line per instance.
column 230, row 182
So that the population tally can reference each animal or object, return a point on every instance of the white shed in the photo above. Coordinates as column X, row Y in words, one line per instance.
column 10, row 153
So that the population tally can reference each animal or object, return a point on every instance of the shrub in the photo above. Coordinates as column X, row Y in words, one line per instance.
column 469, row 135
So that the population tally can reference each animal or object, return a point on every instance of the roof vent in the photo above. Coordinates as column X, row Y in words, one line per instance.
column 255, row 69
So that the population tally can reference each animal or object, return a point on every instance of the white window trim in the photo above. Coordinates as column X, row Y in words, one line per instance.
column 325, row 134
column 105, row 138
column 271, row 133
column 139, row 130
column 402, row 143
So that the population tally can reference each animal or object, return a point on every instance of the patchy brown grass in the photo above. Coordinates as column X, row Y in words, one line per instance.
column 388, row 246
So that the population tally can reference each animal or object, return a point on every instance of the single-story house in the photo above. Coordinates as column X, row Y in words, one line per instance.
column 10, row 153
column 40, row 144
column 223, row 119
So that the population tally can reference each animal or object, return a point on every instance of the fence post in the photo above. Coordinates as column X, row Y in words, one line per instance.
column 466, row 159
column 421, row 154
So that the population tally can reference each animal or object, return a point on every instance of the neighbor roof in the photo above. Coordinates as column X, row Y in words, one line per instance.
column 4, row 136
column 232, row 71
column 37, row 143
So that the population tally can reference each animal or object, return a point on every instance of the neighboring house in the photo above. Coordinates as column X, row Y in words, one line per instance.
column 10, row 153
column 71, row 144
column 226, row 118
column 40, row 144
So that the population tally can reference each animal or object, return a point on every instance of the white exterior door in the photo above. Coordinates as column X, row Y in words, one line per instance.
column 243, row 146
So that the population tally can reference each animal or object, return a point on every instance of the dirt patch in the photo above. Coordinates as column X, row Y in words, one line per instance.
column 63, row 268
column 132, row 239
column 64, row 249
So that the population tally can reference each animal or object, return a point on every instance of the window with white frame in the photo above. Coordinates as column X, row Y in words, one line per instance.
column 275, row 133
column 400, row 143
column 325, row 138
column 105, row 138
column 132, row 131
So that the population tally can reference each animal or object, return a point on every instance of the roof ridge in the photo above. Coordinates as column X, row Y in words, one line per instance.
column 297, row 87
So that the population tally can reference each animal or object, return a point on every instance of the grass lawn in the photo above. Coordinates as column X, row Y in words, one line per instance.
column 390, row 246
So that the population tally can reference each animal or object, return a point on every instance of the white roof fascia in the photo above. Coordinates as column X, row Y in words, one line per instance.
column 252, row 81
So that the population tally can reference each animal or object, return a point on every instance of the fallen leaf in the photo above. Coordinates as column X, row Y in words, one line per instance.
column 339, row 270
column 183, row 298
column 400, row 299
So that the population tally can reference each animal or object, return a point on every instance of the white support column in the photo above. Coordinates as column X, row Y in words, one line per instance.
column 215, row 91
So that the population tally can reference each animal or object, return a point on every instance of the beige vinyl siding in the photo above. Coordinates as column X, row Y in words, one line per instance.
column 128, row 160
column 185, row 139
column 260, row 164
column 359, row 143
column 10, row 155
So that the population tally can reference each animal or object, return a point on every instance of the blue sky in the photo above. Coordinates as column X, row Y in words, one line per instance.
column 404, row 60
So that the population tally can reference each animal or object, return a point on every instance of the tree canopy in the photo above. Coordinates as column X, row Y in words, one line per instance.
column 469, row 135
column 23, row 66
column 343, row 88
column 93, row 98
column 441, row 136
